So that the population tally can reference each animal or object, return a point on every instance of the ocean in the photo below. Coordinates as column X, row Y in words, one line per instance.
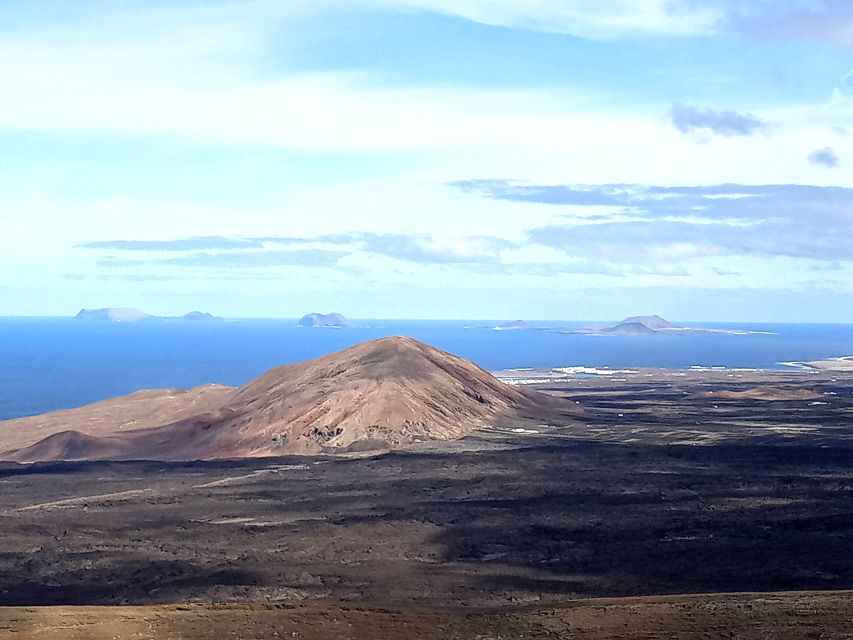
column 50, row 364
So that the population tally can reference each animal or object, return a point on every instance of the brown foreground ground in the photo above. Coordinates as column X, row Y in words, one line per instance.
column 770, row 616
column 663, row 490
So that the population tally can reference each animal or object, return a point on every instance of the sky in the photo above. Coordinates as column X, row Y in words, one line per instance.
column 548, row 159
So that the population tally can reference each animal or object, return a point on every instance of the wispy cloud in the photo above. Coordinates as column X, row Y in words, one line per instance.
column 215, row 243
column 237, row 260
column 265, row 251
column 548, row 194
column 584, row 18
column 181, row 244
column 575, row 266
column 687, row 119
column 822, row 20
column 192, row 73
column 481, row 255
column 654, row 224
column 436, row 249
column 825, row 157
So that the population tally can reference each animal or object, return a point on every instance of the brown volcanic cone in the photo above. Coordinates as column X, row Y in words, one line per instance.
column 380, row 394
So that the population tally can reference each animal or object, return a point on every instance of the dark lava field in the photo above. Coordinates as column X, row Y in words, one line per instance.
column 661, row 491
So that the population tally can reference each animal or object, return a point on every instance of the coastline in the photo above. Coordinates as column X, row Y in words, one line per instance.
column 523, row 376
column 839, row 363
column 56, row 364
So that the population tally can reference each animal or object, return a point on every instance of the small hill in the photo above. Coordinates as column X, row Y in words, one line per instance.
column 656, row 323
column 140, row 410
column 633, row 326
column 766, row 393
column 630, row 329
column 72, row 445
column 325, row 320
column 382, row 394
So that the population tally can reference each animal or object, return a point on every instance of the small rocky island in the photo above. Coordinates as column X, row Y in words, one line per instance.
column 514, row 325
column 326, row 320
column 650, row 326
column 639, row 325
column 126, row 315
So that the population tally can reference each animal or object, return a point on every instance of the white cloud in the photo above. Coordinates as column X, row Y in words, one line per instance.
column 197, row 79
column 584, row 18
column 196, row 76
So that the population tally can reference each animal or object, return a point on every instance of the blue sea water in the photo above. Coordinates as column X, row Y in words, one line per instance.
column 49, row 364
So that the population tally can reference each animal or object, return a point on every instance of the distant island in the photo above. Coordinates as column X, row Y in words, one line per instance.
column 125, row 315
column 326, row 320
column 514, row 325
column 652, row 325
column 639, row 326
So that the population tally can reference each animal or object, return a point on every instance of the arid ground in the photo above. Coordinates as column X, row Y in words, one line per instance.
column 754, row 616
column 666, row 488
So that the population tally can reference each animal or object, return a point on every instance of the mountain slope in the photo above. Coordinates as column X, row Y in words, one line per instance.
column 140, row 410
column 73, row 445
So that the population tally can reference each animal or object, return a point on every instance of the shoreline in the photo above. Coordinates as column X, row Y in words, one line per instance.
column 837, row 364
column 522, row 376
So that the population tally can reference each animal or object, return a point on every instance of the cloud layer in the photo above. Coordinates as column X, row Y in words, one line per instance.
column 610, row 229
column 828, row 21
column 654, row 224
column 271, row 251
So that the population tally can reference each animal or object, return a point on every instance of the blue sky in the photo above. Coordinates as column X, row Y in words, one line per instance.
column 558, row 159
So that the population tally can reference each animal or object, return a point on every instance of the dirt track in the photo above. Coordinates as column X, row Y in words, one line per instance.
column 827, row 616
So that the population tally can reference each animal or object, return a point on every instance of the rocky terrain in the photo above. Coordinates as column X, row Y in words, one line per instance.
column 381, row 394
column 759, row 616
column 140, row 410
